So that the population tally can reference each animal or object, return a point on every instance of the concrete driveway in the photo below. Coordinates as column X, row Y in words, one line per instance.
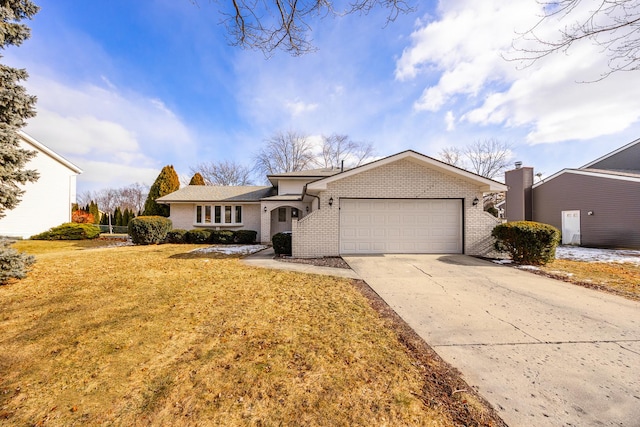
column 543, row 352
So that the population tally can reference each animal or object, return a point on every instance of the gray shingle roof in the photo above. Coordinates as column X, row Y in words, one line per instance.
column 211, row 193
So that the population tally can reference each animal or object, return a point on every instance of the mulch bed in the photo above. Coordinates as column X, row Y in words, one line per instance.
column 334, row 262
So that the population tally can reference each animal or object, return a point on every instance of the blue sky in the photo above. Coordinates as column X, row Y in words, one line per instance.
column 126, row 87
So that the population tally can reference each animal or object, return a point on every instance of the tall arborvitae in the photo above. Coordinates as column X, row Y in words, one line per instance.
column 167, row 182
column 15, row 106
column 93, row 210
column 197, row 179
column 117, row 217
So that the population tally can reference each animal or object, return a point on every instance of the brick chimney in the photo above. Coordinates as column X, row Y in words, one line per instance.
column 519, row 206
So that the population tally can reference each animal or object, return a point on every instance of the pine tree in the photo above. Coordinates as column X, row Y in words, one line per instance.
column 93, row 210
column 197, row 179
column 167, row 182
column 117, row 217
column 15, row 106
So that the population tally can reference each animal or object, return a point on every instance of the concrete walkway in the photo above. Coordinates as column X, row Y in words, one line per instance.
column 265, row 259
column 543, row 352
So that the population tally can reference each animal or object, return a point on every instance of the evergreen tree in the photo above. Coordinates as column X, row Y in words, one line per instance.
column 104, row 219
column 15, row 106
column 197, row 179
column 117, row 217
column 167, row 182
column 93, row 210
column 74, row 207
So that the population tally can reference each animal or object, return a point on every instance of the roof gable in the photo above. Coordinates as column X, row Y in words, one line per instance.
column 49, row 152
column 607, row 174
column 486, row 184
column 626, row 157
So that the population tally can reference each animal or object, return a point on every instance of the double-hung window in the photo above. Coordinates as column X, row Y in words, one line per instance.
column 218, row 215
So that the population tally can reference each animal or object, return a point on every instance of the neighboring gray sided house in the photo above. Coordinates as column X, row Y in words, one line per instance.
column 405, row 203
column 596, row 205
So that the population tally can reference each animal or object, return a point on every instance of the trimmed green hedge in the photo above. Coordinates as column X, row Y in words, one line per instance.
column 149, row 230
column 70, row 231
column 205, row 235
column 245, row 237
column 176, row 235
column 527, row 242
column 222, row 236
column 282, row 243
column 197, row 236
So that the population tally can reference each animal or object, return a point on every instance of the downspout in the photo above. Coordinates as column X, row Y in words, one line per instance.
column 304, row 193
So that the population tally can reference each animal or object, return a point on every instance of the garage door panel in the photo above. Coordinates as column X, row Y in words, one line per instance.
column 400, row 226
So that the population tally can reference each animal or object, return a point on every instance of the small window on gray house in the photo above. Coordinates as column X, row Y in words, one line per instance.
column 282, row 214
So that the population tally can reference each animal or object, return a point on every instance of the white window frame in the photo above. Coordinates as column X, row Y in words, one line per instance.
column 223, row 209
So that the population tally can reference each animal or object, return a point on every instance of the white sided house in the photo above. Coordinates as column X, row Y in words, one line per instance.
column 47, row 202
column 404, row 203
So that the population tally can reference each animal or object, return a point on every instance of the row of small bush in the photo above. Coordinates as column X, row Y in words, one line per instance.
column 211, row 236
column 148, row 230
column 70, row 231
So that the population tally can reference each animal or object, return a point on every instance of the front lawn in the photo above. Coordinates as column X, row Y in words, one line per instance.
column 618, row 278
column 145, row 336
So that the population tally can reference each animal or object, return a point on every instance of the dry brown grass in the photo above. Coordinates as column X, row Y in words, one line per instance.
column 140, row 336
column 618, row 278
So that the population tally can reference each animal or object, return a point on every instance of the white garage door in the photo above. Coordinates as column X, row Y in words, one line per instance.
column 369, row 226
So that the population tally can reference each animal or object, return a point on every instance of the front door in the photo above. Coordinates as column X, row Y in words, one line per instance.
column 571, row 227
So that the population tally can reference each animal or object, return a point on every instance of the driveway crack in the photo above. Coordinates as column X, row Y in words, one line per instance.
column 421, row 270
column 514, row 326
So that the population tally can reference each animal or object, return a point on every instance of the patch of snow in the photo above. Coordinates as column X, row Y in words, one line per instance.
column 502, row 261
column 527, row 267
column 577, row 253
column 230, row 249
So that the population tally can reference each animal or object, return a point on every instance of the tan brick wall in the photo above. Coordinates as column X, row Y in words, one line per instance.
column 318, row 233
column 266, row 217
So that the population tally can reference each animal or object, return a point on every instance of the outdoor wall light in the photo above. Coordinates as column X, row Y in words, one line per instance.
column 307, row 208
column 265, row 209
column 330, row 201
column 476, row 201
column 590, row 213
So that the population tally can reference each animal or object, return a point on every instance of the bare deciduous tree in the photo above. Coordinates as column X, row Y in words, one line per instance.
column 452, row 156
column 488, row 157
column 223, row 173
column 285, row 24
column 131, row 197
column 285, row 152
column 613, row 25
column 337, row 148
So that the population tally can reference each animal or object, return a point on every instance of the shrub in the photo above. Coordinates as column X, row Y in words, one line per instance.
column 176, row 235
column 13, row 264
column 82, row 217
column 70, row 231
column 149, row 230
column 245, row 236
column 527, row 242
column 197, row 236
column 282, row 243
column 222, row 236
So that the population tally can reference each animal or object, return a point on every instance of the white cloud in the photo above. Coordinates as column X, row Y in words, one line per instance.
column 117, row 138
column 450, row 121
column 297, row 108
column 459, row 57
